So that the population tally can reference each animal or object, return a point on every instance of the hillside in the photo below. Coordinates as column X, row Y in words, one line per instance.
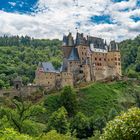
column 100, row 98
column 21, row 55
column 130, row 52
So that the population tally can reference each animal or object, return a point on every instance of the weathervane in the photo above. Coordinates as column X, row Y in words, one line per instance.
column 75, row 2
column 76, row 29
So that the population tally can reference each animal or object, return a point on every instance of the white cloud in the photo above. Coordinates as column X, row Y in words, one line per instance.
column 53, row 18
column 12, row 3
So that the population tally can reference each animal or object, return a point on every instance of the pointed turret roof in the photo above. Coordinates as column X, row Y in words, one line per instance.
column 74, row 55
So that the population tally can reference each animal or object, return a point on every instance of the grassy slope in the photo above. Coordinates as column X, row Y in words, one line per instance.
column 100, row 98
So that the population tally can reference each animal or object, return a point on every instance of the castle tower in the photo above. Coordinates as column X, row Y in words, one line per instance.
column 114, row 58
column 17, row 83
column 68, row 43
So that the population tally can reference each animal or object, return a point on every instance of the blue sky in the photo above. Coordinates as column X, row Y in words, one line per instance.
column 109, row 19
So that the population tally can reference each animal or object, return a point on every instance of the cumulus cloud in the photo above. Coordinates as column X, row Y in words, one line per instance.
column 52, row 19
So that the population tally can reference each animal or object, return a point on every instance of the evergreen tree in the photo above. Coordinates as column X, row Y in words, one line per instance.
column 68, row 100
column 80, row 125
column 58, row 121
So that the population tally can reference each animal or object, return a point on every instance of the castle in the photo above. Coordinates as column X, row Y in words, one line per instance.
column 85, row 59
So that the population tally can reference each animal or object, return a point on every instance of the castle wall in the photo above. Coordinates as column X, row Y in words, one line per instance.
column 105, row 64
column 114, row 60
column 83, row 53
column 87, row 72
column 67, row 79
column 46, row 79
column 74, row 67
column 25, row 91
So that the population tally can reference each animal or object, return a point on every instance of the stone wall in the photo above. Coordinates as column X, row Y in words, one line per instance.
column 25, row 91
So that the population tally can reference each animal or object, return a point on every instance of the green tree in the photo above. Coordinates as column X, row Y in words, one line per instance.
column 112, row 113
column 68, row 100
column 22, row 116
column 58, row 121
column 10, row 134
column 97, row 124
column 80, row 125
column 1, row 84
column 53, row 135
column 124, row 127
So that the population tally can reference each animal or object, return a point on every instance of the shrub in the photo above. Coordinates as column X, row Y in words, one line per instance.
column 124, row 127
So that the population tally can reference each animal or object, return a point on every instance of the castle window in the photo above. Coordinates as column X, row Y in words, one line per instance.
column 115, row 59
column 95, row 58
column 80, row 71
column 119, row 64
column 104, row 59
column 112, row 59
column 82, row 53
column 118, row 59
column 108, row 59
column 100, row 59
column 116, row 63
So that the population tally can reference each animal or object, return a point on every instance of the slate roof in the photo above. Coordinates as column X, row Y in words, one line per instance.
column 48, row 67
column 74, row 55
column 98, row 42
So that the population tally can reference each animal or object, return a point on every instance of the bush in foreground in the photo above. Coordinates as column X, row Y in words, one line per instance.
column 124, row 127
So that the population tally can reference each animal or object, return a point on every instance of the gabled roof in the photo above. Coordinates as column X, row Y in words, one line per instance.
column 48, row 67
column 74, row 55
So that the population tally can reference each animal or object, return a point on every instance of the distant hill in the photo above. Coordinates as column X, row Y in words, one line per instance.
column 130, row 52
column 21, row 55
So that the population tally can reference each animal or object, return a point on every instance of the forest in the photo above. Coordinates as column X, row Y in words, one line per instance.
column 98, row 111
column 21, row 55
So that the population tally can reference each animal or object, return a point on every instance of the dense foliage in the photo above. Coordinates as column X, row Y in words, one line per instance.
column 10, row 134
column 70, row 113
column 68, row 100
column 124, row 127
column 59, row 121
column 21, row 55
column 21, row 117
column 130, row 50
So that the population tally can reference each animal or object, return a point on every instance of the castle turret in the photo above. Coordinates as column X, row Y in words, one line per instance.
column 114, row 46
column 64, row 40
column 80, row 40
column 70, row 40
column 68, row 43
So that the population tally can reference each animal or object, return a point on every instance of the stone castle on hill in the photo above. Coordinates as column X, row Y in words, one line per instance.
column 85, row 59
